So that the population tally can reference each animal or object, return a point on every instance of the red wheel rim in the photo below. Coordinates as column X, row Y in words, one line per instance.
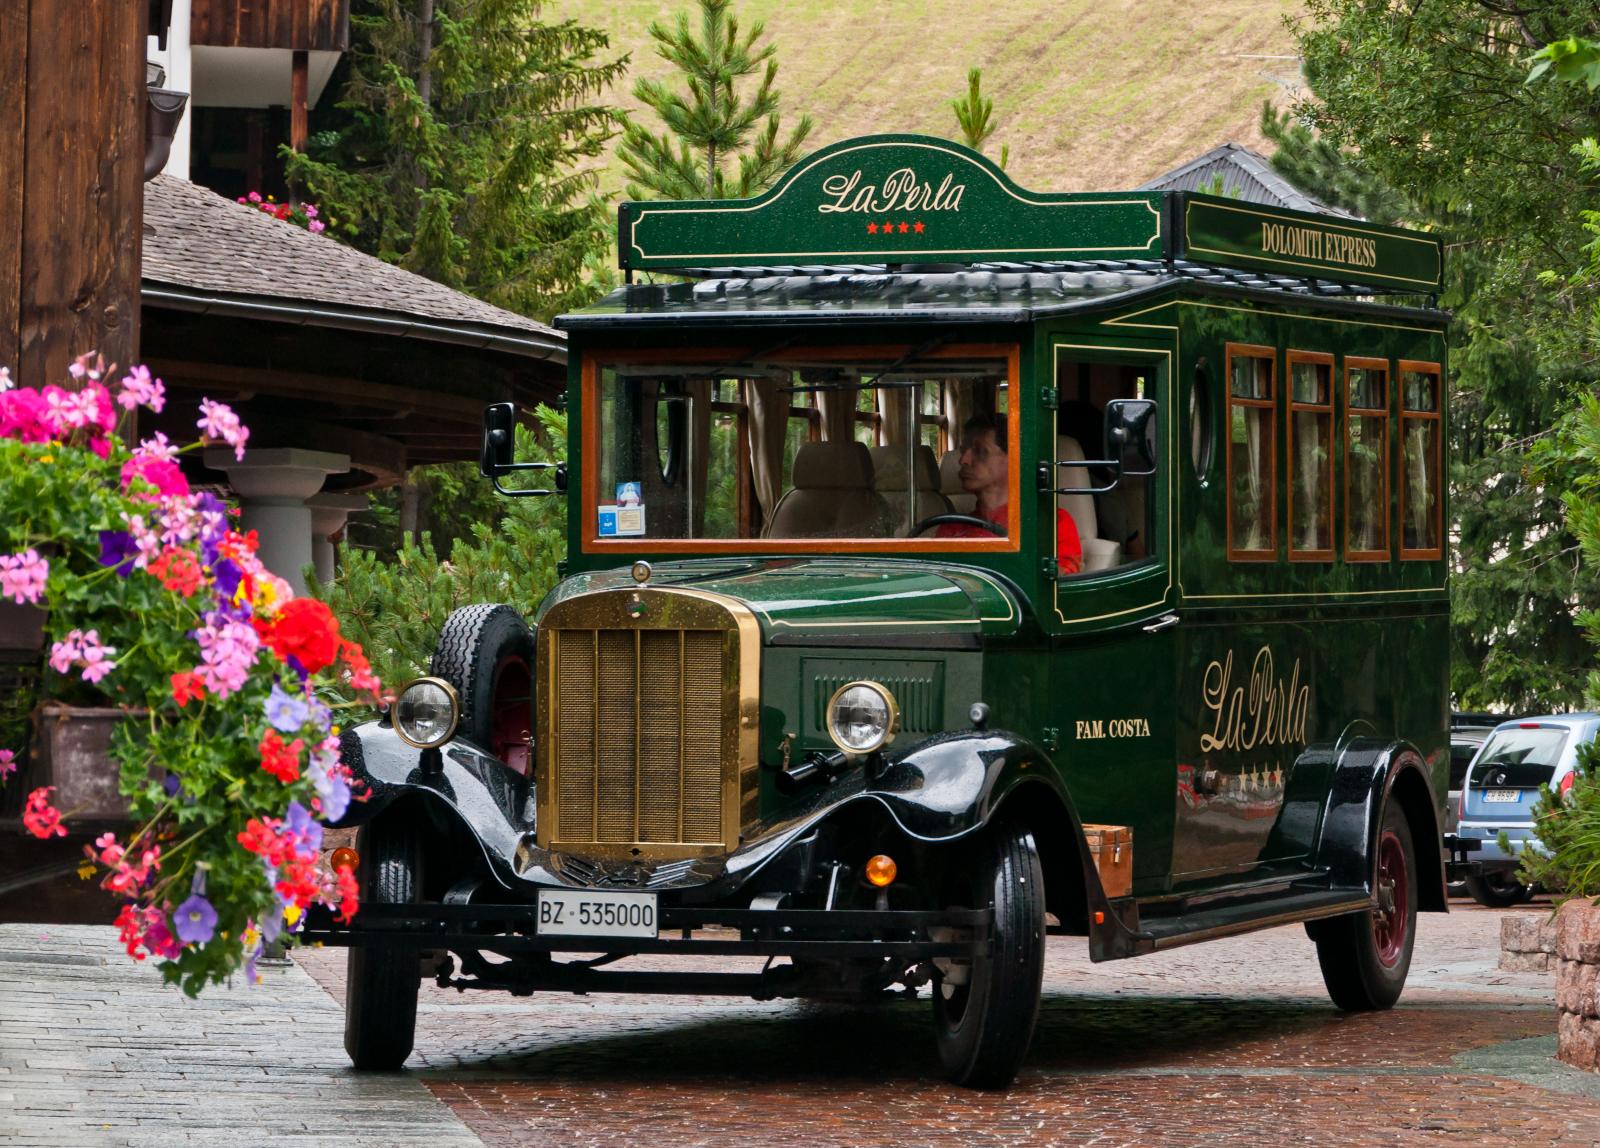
column 1393, row 914
column 511, row 712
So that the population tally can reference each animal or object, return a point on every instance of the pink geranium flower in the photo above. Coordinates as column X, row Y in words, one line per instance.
column 217, row 421
column 139, row 389
column 8, row 763
column 22, row 576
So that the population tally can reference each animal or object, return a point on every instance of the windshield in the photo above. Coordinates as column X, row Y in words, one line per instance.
column 777, row 448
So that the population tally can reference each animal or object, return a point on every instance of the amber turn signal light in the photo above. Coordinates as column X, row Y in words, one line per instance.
column 344, row 858
column 881, row 871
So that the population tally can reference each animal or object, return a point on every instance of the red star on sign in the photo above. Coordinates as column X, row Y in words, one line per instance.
column 888, row 227
column 918, row 227
column 904, row 227
column 872, row 229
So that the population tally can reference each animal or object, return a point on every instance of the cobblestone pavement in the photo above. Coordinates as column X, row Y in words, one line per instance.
column 95, row 1050
column 1228, row 1042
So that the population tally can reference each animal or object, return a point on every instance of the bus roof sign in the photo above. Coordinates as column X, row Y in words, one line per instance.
column 1233, row 233
column 892, row 199
column 906, row 199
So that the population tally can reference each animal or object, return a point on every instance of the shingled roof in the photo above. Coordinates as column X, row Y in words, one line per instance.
column 1243, row 173
column 203, row 251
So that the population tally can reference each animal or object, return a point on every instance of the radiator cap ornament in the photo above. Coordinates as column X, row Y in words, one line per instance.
column 641, row 572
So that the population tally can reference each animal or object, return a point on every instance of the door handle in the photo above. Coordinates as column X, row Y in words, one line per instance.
column 1161, row 623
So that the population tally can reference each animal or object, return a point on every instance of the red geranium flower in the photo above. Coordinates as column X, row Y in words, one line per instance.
column 280, row 760
column 306, row 630
column 42, row 819
column 187, row 687
column 178, row 570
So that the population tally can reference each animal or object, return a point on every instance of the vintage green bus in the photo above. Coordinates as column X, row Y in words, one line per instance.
column 950, row 565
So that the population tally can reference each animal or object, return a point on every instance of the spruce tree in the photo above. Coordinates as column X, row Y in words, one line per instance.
column 711, row 125
column 457, row 147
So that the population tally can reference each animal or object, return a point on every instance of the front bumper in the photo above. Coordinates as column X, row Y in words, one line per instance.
column 892, row 939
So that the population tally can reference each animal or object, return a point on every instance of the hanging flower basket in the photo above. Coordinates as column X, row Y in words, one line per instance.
column 21, row 627
column 187, row 688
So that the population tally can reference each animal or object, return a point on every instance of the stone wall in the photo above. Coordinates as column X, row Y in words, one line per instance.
column 1527, row 942
column 1577, row 969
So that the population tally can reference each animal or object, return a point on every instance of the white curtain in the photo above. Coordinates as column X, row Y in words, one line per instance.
column 838, row 406
column 769, row 423
column 897, row 405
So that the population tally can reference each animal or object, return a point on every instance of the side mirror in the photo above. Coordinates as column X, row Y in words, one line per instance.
column 499, row 439
column 1131, row 435
column 497, row 455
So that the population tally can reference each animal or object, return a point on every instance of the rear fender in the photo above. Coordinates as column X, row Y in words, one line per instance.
column 1368, row 774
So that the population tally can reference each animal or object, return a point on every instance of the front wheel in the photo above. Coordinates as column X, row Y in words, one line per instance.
column 1365, row 956
column 984, row 1010
column 380, row 1004
column 1498, row 890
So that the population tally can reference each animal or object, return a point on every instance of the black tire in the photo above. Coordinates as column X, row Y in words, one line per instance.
column 380, row 1007
column 983, row 1028
column 1365, row 956
column 486, row 653
column 1497, row 890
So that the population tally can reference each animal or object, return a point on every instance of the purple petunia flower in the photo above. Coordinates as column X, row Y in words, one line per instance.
column 117, row 548
column 305, row 828
column 195, row 921
column 286, row 713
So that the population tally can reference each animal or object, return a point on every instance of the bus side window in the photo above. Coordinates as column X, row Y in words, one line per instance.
column 1310, row 456
column 1420, row 528
column 1252, row 456
column 1366, row 460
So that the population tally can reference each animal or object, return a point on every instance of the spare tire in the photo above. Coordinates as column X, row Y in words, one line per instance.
column 486, row 653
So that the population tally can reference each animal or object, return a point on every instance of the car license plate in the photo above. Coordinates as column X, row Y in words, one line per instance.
column 582, row 913
column 1502, row 795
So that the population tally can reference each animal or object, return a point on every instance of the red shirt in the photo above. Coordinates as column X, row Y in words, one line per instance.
column 1069, row 551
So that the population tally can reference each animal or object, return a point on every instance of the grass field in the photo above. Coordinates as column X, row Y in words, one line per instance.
column 1090, row 94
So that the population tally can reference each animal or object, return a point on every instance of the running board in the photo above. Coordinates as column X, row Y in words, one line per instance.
column 1226, row 921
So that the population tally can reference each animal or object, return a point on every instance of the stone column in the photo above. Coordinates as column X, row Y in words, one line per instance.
column 329, row 512
column 273, row 486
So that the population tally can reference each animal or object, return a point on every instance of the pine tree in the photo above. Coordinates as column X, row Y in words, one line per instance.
column 975, row 116
column 711, row 125
column 458, row 143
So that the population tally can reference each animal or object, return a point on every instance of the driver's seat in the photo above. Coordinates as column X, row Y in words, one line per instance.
column 889, row 480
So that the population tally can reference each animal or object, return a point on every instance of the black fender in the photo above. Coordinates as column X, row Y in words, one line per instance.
column 458, row 782
column 1369, row 773
column 951, row 787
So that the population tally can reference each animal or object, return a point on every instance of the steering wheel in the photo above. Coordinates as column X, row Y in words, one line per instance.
column 958, row 519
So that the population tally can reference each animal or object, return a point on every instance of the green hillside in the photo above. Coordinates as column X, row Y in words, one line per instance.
column 1090, row 94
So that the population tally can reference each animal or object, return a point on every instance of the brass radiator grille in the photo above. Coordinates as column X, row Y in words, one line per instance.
column 642, row 734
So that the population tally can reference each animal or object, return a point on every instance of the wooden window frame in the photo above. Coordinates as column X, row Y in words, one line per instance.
column 1290, row 359
column 1358, row 363
column 1270, row 405
column 1436, row 415
column 591, row 543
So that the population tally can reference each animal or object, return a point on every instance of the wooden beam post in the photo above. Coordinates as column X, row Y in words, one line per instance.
column 71, row 183
column 299, row 85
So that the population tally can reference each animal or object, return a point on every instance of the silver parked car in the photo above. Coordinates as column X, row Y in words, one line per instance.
column 1500, row 789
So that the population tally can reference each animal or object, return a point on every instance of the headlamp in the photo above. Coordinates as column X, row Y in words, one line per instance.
column 862, row 717
column 426, row 712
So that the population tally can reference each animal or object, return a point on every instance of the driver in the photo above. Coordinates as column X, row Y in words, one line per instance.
column 985, row 473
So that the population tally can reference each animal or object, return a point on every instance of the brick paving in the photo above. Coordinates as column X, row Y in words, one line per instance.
column 1231, row 1042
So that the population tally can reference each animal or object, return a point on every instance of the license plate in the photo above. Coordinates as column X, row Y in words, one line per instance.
column 1502, row 795
column 581, row 913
